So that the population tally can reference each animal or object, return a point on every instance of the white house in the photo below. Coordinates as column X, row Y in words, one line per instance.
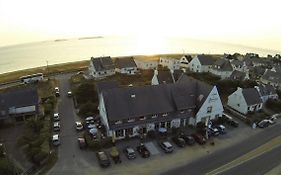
column 143, row 63
column 222, row 68
column 126, row 66
column 101, row 67
column 171, row 63
column 133, row 111
column 245, row 100
column 184, row 60
column 201, row 63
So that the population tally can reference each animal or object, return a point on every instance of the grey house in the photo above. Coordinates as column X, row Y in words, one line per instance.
column 222, row 68
column 101, row 67
column 272, row 78
column 126, row 65
column 18, row 104
column 133, row 111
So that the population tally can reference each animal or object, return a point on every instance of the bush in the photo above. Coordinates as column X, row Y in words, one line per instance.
column 6, row 168
column 274, row 105
column 94, row 145
column 40, row 156
column 48, row 109
column 106, row 142
column 86, row 93
column 151, row 134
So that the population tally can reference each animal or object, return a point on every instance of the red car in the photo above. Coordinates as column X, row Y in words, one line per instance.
column 199, row 138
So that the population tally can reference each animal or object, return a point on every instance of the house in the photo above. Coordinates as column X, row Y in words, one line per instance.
column 239, row 76
column 272, row 78
column 239, row 65
column 133, row 111
column 266, row 92
column 222, row 68
column 171, row 63
column 276, row 68
column 125, row 65
column 18, row 104
column 101, row 67
column 245, row 100
column 165, row 76
column 201, row 63
column 144, row 63
column 184, row 60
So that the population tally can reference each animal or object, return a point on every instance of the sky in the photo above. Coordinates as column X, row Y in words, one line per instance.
column 254, row 23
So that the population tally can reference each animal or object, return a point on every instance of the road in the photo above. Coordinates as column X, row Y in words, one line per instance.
column 71, row 159
column 259, row 165
column 221, row 157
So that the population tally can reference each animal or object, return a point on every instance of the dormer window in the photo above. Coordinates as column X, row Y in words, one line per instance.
column 142, row 118
column 154, row 116
column 118, row 122
column 182, row 111
column 165, row 115
column 131, row 120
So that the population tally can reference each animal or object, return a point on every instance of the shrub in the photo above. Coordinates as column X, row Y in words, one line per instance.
column 88, row 109
column 6, row 168
column 95, row 145
column 106, row 142
column 274, row 105
column 86, row 93
column 40, row 156
column 151, row 134
column 48, row 109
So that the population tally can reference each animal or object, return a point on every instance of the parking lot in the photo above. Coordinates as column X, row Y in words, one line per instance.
column 72, row 160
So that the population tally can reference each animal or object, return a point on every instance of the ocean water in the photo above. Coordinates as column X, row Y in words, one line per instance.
column 30, row 55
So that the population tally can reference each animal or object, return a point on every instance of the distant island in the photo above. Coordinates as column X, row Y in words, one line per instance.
column 93, row 37
column 59, row 40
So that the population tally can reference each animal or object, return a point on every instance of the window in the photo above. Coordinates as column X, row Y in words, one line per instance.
column 118, row 122
column 192, row 65
column 238, row 105
column 169, row 124
column 129, row 131
column 156, row 126
column 142, row 118
column 165, row 115
column 163, row 124
column 249, row 108
column 209, row 109
column 154, row 116
column 119, row 133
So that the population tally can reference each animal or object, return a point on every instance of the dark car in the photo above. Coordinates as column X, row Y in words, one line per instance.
column 214, row 131
column 188, row 139
column 179, row 141
column 229, row 120
column 221, row 129
column 166, row 146
column 234, row 123
column 263, row 124
column 130, row 153
column 103, row 159
column 143, row 151
column 199, row 138
column 82, row 143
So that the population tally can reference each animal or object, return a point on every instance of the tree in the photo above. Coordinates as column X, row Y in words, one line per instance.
column 88, row 109
column 86, row 93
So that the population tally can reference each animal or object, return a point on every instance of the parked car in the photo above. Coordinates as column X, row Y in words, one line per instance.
column 189, row 140
column 56, row 140
column 166, row 146
column 229, row 120
column 56, row 126
column 114, row 153
column 263, row 124
column 213, row 131
column 56, row 117
column 221, row 129
column 69, row 94
column 130, row 153
column 90, row 120
column 179, row 141
column 143, row 151
column 82, row 142
column 57, row 91
column 103, row 159
column 199, row 138
column 270, row 121
column 79, row 126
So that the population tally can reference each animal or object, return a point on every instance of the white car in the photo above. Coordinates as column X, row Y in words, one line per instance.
column 79, row 126
column 56, row 117
column 89, row 120
column 56, row 126
column 57, row 91
column 69, row 94
column 56, row 140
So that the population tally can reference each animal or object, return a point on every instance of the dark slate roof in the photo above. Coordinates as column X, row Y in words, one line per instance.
column 104, row 85
column 222, row 65
column 164, row 77
column 237, row 75
column 237, row 62
column 266, row 90
column 205, row 59
column 131, row 102
column 177, row 74
column 102, row 63
column 188, row 57
column 251, row 96
column 277, row 68
column 18, row 98
column 126, row 62
column 272, row 76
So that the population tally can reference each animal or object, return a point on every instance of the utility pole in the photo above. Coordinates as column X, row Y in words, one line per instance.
column 47, row 69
